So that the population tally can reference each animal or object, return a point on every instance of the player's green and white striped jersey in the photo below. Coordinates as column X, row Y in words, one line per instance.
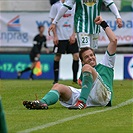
column 105, row 70
column 85, row 13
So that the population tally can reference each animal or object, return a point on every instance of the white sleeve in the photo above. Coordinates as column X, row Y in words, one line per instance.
column 108, row 2
column 108, row 60
column 53, row 11
column 67, row 5
column 60, row 13
column 113, row 8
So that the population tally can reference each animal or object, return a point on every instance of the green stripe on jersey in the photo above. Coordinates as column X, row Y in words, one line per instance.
column 91, row 21
column 85, row 15
column 78, row 17
column 86, row 18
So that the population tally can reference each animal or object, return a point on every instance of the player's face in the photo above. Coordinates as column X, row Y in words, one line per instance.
column 41, row 30
column 89, row 58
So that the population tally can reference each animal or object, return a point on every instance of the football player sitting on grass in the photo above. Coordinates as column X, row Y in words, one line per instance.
column 97, row 80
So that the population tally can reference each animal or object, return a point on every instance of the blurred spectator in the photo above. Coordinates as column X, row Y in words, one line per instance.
column 64, row 40
column 53, row 1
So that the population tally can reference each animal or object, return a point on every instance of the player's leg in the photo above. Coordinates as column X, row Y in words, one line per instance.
column 21, row 72
column 32, row 67
column 100, row 94
column 56, row 67
column 34, row 59
column 94, row 41
column 57, row 91
column 83, row 39
column 58, row 50
column 75, row 66
column 27, row 68
column 88, row 77
column 74, row 50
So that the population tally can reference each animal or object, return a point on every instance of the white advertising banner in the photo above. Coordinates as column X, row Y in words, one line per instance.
column 124, row 34
column 19, row 28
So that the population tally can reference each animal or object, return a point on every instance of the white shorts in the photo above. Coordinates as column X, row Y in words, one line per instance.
column 99, row 95
column 87, row 40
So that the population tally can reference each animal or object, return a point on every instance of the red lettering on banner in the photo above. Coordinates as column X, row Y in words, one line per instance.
column 101, row 38
column 125, row 38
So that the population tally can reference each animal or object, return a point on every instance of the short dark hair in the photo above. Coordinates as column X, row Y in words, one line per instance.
column 40, row 26
column 82, row 50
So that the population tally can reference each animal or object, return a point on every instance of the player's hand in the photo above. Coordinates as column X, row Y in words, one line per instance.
column 51, row 28
column 55, row 40
column 98, row 20
column 119, row 22
column 72, row 39
column 79, row 82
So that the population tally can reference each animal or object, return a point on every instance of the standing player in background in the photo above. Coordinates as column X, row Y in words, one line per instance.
column 38, row 41
column 64, row 40
column 85, row 13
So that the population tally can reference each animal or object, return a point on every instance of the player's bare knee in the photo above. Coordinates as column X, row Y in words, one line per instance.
column 76, row 56
column 87, row 68
column 56, row 85
column 57, row 57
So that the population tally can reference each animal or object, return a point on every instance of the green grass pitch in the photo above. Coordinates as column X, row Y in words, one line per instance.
column 18, row 118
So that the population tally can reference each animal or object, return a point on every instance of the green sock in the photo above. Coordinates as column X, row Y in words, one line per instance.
column 87, row 81
column 51, row 97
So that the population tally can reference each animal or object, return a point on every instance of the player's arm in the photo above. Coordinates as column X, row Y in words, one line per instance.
column 55, row 39
column 72, row 37
column 67, row 5
column 61, row 12
column 114, row 10
column 52, row 15
column 110, row 34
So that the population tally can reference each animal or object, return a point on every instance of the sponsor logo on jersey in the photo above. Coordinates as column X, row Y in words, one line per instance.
column 14, row 24
column 89, row 2
column 66, row 24
column 66, row 15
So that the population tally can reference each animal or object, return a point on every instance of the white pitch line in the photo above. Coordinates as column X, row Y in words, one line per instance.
column 75, row 117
